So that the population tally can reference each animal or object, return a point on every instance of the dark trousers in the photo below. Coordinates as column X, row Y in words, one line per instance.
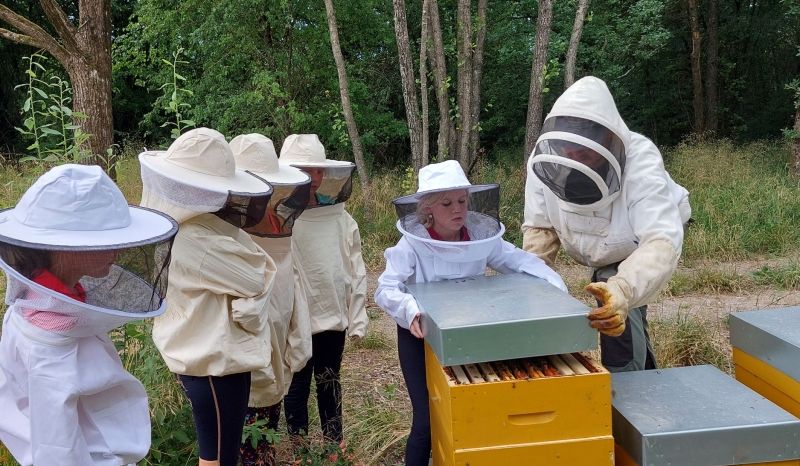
column 326, row 360
column 411, row 351
column 632, row 350
column 219, row 405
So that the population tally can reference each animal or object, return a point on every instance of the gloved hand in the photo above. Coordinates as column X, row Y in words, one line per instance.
column 609, row 319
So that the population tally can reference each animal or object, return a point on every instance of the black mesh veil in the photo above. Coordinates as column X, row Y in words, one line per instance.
column 286, row 204
column 87, row 290
column 580, row 160
column 329, row 184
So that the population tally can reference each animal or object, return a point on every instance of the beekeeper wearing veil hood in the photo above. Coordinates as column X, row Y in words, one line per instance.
column 290, row 332
column 216, row 329
column 78, row 262
column 450, row 230
column 601, row 191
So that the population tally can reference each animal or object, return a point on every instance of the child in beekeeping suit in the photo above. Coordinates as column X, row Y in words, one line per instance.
column 79, row 262
column 326, row 249
column 290, row 334
column 215, row 331
column 450, row 230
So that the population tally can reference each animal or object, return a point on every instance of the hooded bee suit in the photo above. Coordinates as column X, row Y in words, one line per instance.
column 601, row 191
column 290, row 330
column 326, row 250
column 65, row 398
column 417, row 258
column 216, row 329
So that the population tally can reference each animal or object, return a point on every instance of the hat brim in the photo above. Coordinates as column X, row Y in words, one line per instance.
column 147, row 227
column 471, row 188
column 241, row 182
column 284, row 175
column 324, row 164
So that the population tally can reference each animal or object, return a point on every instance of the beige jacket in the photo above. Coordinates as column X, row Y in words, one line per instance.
column 326, row 250
column 216, row 321
column 290, row 328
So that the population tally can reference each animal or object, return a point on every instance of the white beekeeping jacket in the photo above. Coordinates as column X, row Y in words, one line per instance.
column 326, row 250
column 419, row 259
column 290, row 328
column 649, row 209
column 65, row 398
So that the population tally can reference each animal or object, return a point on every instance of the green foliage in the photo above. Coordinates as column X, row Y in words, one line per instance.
column 176, row 104
column 326, row 454
column 787, row 277
column 50, row 123
column 746, row 206
column 707, row 280
column 258, row 432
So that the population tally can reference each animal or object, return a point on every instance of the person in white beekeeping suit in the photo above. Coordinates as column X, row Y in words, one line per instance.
column 216, row 329
column 290, row 334
column 601, row 191
column 450, row 230
column 79, row 263
column 326, row 250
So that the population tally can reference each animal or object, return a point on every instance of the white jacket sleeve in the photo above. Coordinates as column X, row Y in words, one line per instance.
column 356, row 303
column 391, row 293
column 507, row 258
column 656, row 221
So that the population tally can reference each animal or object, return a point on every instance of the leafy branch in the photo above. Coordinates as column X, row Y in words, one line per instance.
column 176, row 104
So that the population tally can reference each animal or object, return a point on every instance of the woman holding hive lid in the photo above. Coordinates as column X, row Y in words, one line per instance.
column 290, row 334
column 326, row 250
column 450, row 230
column 216, row 328
column 79, row 262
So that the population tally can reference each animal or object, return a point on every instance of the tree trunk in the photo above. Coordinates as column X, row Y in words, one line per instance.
column 712, row 67
column 697, row 83
column 445, row 140
column 574, row 41
column 534, row 121
column 409, row 86
column 85, row 53
column 464, row 91
column 477, row 75
column 344, row 92
column 423, row 80
column 796, row 140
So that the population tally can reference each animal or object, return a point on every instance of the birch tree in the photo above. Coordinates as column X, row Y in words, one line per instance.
column 534, row 120
column 344, row 92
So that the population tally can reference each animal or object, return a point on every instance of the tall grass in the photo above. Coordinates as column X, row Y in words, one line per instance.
column 743, row 200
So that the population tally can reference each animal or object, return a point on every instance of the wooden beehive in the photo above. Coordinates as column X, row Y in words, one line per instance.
column 550, row 410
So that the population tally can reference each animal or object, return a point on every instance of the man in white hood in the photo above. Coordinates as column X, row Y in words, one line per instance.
column 602, row 192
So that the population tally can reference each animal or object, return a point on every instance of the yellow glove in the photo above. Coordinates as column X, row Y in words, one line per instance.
column 610, row 318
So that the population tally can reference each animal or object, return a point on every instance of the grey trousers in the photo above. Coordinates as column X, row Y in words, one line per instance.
column 632, row 350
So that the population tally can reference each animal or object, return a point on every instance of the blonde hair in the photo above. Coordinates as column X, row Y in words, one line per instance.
column 426, row 202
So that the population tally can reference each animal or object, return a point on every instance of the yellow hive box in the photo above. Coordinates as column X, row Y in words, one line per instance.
column 564, row 420
column 624, row 459
column 766, row 354
column 768, row 381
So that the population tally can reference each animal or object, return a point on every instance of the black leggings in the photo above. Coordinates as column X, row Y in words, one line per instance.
column 326, row 360
column 411, row 351
column 219, row 405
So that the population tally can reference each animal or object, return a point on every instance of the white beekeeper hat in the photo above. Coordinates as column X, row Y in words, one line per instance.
column 256, row 154
column 79, row 206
